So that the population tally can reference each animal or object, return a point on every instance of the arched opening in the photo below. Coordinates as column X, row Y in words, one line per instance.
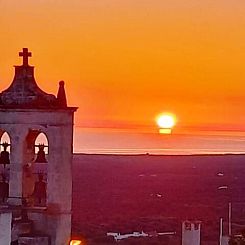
column 41, row 140
column 4, row 165
column 35, row 167
column 5, row 138
column 4, row 151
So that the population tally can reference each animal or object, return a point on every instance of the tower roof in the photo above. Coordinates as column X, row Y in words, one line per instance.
column 25, row 93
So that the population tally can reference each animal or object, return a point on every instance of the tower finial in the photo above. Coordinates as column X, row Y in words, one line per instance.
column 61, row 96
column 25, row 54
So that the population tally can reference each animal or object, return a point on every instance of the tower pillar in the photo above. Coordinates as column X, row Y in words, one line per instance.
column 16, row 166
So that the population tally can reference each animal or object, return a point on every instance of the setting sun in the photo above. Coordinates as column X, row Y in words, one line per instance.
column 166, row 121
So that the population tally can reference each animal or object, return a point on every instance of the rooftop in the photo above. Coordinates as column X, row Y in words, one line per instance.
column 24, row 93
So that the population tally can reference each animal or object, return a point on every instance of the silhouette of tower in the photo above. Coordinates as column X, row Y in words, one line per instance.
column 25, row 112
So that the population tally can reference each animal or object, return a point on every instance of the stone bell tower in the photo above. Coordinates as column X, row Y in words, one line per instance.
column 26, row 112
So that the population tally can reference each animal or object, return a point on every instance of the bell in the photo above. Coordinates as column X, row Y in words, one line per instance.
column 4, row 155
column 41, row 154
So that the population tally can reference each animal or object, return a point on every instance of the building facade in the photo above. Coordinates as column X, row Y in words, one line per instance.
column 191, row 233
column 26, row 112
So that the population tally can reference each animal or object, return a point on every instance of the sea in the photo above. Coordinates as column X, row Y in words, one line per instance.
column 114, row 141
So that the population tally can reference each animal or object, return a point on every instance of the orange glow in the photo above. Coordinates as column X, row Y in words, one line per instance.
column 124, row 61
column 76, row 242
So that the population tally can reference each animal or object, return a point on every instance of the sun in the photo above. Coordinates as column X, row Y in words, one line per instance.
column 166, row 121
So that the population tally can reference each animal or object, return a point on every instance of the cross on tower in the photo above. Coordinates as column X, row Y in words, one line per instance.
column 25, row 54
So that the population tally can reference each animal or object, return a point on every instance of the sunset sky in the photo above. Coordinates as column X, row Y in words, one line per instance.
column 124, row 62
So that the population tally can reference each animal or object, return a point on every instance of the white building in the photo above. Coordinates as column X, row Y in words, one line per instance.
column 191, row 233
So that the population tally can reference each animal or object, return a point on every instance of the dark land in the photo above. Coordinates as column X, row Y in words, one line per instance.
column 115, row 193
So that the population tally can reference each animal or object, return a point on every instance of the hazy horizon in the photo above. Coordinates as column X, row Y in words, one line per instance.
column 109, row 141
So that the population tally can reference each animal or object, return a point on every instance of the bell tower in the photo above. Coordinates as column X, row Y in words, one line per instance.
column 39, row 175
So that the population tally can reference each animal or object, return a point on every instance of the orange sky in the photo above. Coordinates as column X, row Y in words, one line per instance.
column 126, row 61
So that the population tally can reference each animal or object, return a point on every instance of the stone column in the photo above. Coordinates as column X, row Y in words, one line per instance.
column 16, row 164
column 59, row 189
column 5, row 228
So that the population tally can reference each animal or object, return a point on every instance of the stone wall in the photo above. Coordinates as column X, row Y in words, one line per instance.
column 57, row 125
column 5, row 228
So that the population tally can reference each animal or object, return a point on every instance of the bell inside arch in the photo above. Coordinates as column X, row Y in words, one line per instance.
column 41, row 154
column 4, row 155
